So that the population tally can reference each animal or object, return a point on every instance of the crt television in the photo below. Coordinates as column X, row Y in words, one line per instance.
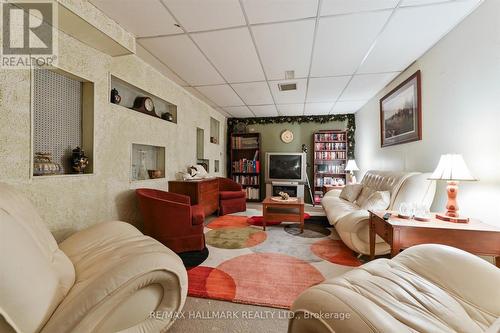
column 282, row 167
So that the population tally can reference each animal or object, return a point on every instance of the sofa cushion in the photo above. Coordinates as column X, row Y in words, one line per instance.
column 378, row 200
column 365, row 193
column 351, row 192
column 231, row 194
column 336, row 208
column 35, row 274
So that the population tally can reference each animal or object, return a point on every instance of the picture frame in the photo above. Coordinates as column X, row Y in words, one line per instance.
column 401, row 113
column 327, row 181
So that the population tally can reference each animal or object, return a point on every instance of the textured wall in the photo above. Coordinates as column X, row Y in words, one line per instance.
column 69, row 203
column 460, row 111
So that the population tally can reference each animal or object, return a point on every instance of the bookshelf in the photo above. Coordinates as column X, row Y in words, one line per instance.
column 245, row 163
column 330, row 159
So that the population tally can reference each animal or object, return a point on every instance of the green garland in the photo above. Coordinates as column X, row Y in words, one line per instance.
column 350, row 128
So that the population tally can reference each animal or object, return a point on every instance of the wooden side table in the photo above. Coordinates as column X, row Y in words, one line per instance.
column 475, row 237
column 289, row 211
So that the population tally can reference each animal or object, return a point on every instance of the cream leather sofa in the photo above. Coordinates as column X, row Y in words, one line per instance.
column 107, row 278
column 427, row 288
column 352, row 223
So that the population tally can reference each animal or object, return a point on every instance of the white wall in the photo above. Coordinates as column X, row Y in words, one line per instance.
column 460, row 110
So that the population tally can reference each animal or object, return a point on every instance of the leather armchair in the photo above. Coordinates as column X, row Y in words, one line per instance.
column 106, row 278
column 171, row 219
column 426, row 288
column 232, row 198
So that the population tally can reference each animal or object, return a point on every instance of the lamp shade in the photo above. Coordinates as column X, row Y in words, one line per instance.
column 351, row 166
column 452, row 167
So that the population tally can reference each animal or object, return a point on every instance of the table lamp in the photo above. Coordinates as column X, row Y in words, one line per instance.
column 453, row 169
column 351, row 167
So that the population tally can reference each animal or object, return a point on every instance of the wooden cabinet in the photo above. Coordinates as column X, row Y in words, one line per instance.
column 203, row 192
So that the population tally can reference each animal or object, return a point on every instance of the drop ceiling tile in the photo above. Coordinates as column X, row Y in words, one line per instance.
column 317, row 108
column 142, row 18
column 291, row 109
column 199, row 15
column 254, row 93
column 326, row 89
column 343, row 41
column 291, row 96
column 347, row 107
column 285, row 46
column 223, row 112
column 158, row 65
column 222, row 95
column 183, row 57
column 364, row 87
column 335, row 7
column 264, row 110
column 232, row 52
column 200, row 96
column 239, row 111
column 405, row 3
column 411, row 32
column 264, row 11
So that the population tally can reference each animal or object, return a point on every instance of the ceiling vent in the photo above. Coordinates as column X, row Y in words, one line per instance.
column 287, row 86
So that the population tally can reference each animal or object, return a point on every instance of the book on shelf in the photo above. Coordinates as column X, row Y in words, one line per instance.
column 330, row 145
column 330, row 155
column 246, row 180
column 246, row 166
column 330, row 168
column 240, row 142
column 330, row 137
column 252, row 193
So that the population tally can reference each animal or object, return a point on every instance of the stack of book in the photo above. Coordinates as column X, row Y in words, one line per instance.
column 240, row 142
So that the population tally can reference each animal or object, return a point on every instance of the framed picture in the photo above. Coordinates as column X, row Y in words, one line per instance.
column 327, row 180
column 401, row 113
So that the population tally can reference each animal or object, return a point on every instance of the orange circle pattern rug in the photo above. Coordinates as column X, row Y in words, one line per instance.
column 269, row 268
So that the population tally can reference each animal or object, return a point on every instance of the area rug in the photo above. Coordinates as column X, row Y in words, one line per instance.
column 268, row 268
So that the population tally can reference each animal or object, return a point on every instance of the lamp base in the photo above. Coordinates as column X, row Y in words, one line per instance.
column 454, row 219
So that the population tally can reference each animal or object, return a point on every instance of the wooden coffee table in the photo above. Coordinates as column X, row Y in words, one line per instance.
column 289, row 211
column 475, row 237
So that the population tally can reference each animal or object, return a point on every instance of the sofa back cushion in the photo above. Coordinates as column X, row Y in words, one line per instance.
column 390, row 181
column 378, row 200
column 351, row 192
column 35, row 274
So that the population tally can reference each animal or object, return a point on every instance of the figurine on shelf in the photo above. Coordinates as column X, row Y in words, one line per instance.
column 167, row 116
column 284, row 196
column 115, row 97
column 78, row 160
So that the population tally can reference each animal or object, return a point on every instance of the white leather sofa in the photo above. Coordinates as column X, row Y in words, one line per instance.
column 352, row 223
column 107, row 278
column 427, row 288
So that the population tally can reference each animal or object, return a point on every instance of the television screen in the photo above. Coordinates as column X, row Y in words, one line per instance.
column 285, row 167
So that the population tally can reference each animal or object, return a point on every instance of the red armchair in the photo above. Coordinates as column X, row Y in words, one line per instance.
column 232, row 198
column 170, row 219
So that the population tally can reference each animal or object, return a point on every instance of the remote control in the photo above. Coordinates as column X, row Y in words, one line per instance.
column 387, row 216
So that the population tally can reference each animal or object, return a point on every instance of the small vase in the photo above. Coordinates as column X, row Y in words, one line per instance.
column 142, row 174
column 78, row 160
column 43, row 165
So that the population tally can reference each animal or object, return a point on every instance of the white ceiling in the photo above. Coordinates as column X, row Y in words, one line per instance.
column 233, row 53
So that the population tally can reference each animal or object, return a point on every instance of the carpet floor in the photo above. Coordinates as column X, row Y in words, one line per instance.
column 270, row 268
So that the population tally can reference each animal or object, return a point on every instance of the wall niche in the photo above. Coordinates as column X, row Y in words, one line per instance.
column 63, row 119
column 147, row 162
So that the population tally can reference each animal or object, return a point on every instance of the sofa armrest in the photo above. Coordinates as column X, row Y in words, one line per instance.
column 122, row 277
column 198, row 214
